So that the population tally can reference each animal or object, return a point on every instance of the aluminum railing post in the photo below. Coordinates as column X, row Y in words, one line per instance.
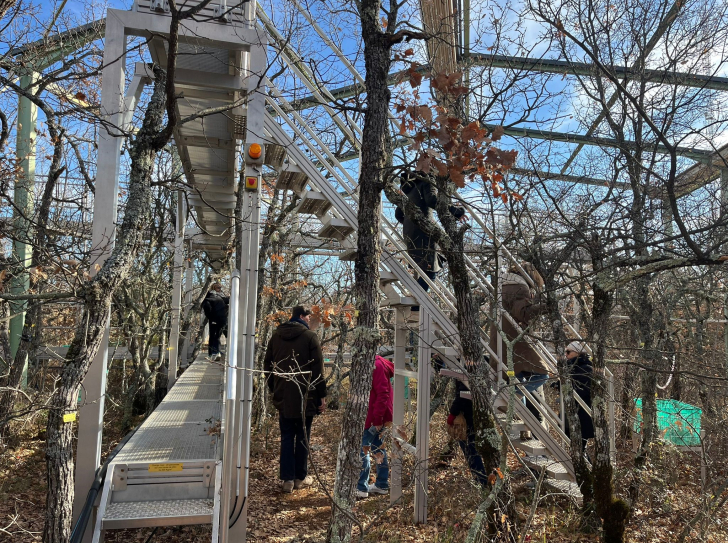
column 229, row 460
column 400, row 338
column 424, row 374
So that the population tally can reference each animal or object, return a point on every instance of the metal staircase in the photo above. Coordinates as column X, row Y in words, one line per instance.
column 169, row 473
column 320, row 197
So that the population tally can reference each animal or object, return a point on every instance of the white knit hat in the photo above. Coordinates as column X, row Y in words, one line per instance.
column 574, row 346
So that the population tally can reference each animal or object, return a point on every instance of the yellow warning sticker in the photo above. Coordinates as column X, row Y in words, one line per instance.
column 163, row 468
column 69, row 417
column 511, row 373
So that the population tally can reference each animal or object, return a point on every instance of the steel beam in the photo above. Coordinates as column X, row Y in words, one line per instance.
column 546, row 65
column 179, row 255
column 103, row 233
column 23, row 198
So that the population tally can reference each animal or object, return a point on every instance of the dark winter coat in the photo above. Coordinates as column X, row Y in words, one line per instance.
column 419, row 244
column 462, row 405
column 295, row 348
column 581, row 371
column 519, row 303
column 215, row 306
column 381, row 396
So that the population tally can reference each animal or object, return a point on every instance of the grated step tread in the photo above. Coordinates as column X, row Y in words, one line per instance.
column 569, row 488
column 120, row 515
column 532, row 446
column 554, row 469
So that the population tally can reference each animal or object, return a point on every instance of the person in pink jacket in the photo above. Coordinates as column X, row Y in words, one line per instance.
column 379, row 415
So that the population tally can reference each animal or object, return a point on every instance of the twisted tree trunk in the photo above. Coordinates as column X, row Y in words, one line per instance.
column 96, row 295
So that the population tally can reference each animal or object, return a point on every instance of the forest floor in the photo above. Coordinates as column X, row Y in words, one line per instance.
column 669, row 499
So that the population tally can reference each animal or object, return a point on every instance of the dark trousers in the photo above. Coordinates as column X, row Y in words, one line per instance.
column 294, row 447
column 432, row 275
column 475, row 462
column 217, row 329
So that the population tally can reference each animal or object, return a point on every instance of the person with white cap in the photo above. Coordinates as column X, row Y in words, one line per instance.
column 580, row 371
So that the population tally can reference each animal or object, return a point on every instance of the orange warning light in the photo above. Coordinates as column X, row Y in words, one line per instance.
column 255, row 150
column 251, row 183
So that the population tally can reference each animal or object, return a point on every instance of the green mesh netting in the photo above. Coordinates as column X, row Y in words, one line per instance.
column 678, row 422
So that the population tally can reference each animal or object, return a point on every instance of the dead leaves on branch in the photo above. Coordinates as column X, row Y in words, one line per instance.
column 446, row 147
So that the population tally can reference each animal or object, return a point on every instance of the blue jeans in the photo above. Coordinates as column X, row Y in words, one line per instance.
column 371, row 438
column 531, row 382
column 475, row 461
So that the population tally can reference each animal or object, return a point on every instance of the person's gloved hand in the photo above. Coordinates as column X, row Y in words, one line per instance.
column 450, row 420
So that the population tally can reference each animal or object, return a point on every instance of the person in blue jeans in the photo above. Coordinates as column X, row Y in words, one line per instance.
column 379, row 415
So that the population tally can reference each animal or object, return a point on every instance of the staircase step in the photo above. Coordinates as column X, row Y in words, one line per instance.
column 157, row 513
column 291, row 177
column 517, row 425
column 554, row 469
column 335, row 228
column 387, row 277
column 459, row 375
column 349, row 255
column 532, row 447
column 401, row 301
column 313, row 203
column 274, row 155
column 569, row 488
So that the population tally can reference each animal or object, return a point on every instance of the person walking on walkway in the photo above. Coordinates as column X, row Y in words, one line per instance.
column 519, row 302
column 294, row 365
column 379, row 416
column 215, row 305
column 420, row 246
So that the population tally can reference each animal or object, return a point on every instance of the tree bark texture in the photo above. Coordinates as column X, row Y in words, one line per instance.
column 377, row 59
column 96, row 295
column 612, row 511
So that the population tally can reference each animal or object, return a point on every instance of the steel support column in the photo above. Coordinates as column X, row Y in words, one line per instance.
column 424, row 375
column 189, row 281
column 400, row 338
column 249, row 247
column 103, row 232
column 23, row 198
column 179, row 256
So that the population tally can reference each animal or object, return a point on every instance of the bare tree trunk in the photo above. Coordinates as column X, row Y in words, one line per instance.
column 96, row 294
column 612, row 511
column 377, row 60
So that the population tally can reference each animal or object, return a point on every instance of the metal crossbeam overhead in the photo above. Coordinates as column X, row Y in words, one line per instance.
column 700, row 155
column 547, row 65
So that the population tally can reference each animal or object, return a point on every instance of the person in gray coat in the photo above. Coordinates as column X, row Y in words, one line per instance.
column 420, row 246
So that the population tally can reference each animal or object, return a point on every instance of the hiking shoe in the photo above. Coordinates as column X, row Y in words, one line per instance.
column 526, row 435
column 374, row 489
column 303, row 483
column 218, row 357
column 287, row 486
column 360, row 495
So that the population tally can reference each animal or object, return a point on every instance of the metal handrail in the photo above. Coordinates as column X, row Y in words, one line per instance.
column 229, row 459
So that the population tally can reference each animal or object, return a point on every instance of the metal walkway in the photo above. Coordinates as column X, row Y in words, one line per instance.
column 168, row 474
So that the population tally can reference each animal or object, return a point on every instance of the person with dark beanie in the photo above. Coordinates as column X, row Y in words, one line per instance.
column 294, row 365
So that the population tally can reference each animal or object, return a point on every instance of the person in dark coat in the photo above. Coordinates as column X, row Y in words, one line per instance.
column 519, row 302
column 581, row 370
column 294, row 365
column 464, row 406
column 420, row 246
column 215, row 305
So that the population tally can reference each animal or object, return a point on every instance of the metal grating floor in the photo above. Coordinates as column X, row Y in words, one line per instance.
column 158, row 509
column 185, row 425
